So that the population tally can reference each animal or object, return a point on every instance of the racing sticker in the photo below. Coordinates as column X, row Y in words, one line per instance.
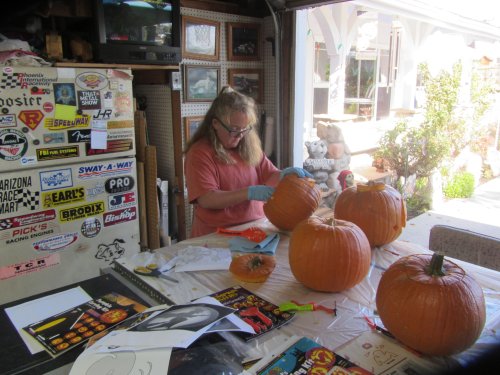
column 79, row 136
column 121, row 200
column 29, row 266
column 7, row 121
column 52, row 153
column 82, row 121
column 89, row 100
column 119, row 145
column 29, row 219
column 61, row 197
column 120, row 124
column 31, row 118
column 13, row 144
column 81, row 212
column 91, row 227
column 119, row 216
column 29, row 232
column 56, row 179
column 50, row 138
column 57, row 242
column 104, row 170
column 119, row 184
column 15, row 194
column 91, row 81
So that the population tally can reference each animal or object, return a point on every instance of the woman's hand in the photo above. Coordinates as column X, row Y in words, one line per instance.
column 295, row 170
column 260, row 192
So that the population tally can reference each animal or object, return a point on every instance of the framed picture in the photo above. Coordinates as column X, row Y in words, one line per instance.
column 200, row 38
column 201, row 83
column 248, row 82
column 243, row 41
column 190, row 125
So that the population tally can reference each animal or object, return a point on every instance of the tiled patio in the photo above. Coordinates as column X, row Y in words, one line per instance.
column 480, row 213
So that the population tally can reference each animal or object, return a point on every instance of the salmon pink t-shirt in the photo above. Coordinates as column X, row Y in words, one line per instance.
column 205, row 172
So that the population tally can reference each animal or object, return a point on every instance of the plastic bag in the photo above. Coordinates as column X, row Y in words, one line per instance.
column 7, row 44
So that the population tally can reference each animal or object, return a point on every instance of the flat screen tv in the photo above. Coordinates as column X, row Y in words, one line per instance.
column 138, row 32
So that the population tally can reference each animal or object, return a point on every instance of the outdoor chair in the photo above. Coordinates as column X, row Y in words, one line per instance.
column 466, row 245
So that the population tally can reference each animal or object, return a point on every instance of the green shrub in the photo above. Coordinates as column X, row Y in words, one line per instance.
column 460, row 186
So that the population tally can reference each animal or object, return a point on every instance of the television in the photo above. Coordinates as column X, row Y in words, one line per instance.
column 137, row 32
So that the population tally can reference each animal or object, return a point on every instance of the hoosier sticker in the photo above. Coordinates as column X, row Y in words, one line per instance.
column 81, row 212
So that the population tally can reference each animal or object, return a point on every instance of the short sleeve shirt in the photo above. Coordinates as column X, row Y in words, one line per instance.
column 205, row 172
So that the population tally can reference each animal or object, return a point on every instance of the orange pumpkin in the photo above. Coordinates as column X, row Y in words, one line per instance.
column 294, row 200
column 329, row 255
column 252, row 268
column 378, row 209
column 431, row 304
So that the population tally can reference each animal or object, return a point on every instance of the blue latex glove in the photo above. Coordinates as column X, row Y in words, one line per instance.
column 298, row 171
column 260, row 192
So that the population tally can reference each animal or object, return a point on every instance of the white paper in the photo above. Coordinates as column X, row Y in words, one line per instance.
column 33, row 311
column 199, row 258
column 151, row 362
column 99, row 135
column 229, row 323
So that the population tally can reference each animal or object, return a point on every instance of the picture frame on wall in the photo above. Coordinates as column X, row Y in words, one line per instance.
column 243, row 41
column 200, row 38
column 248, row 82
column 191, row 124
column 201, row 83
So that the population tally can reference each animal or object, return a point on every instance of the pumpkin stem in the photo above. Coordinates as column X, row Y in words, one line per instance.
column 255, row 262
column 436, row 265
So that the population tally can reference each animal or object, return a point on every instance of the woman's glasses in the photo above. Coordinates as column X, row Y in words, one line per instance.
column 234, row 133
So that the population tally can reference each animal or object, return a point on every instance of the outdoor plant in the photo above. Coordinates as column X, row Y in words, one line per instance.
column 461, row 185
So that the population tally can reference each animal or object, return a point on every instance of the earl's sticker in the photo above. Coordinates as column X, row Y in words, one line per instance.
column 65, row 196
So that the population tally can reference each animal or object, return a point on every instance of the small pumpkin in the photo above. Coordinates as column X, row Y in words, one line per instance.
column 431, row 304
column 378, row 209
column 294, row 200
column 252, row 267
column 329, row 255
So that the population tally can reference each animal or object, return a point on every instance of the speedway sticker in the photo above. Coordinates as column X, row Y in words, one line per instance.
column 29, row 219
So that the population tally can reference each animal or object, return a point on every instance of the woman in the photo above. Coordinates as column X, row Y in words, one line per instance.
column 228, row 176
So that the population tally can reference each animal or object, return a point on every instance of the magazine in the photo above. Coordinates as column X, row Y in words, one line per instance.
column 301, row 355
column 259, row 313
column 68, row 329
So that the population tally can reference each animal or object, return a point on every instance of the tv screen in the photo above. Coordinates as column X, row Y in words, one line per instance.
column 138, row 22
column 138, row 31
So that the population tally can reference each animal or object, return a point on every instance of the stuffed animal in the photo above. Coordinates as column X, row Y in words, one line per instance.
column 346, row 179
column 317, row 164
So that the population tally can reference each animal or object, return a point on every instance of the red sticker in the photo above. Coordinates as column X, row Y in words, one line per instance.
column 32, row 265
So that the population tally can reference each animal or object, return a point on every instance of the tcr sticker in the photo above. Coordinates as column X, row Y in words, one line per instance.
column 32, row 265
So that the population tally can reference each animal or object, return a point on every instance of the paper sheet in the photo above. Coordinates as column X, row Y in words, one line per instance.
column 199, row 258
column 33, row 311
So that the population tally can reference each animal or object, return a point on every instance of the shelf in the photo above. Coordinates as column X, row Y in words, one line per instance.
column 117, row 66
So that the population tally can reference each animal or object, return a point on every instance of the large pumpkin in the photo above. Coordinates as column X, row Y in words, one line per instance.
column 329, row 255
column 431, row 304
column 294, row 200
column 376, row 208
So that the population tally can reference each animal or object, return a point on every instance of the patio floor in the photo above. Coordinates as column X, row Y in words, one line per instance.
column 480, row 213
